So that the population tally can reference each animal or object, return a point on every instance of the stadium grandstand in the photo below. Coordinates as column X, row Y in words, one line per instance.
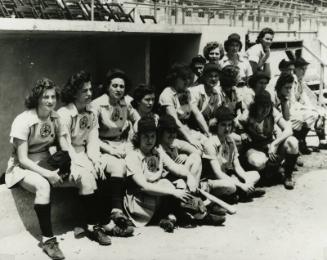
column 224, row 12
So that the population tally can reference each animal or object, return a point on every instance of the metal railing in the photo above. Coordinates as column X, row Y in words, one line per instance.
column 174, row 13
column 323, row 65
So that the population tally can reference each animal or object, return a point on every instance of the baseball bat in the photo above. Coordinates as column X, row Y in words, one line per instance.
column 230, row 209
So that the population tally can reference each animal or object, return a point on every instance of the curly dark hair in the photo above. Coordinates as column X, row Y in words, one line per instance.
column 113, row 74
column 211, row 46
column 229, row 76
column 140, row 92
column 73, row 85
column 253, row 80
column 137, row 136
column 178, row 70
column 263, row 32
column 32, row 100
column 259, row 99
column 282, row 80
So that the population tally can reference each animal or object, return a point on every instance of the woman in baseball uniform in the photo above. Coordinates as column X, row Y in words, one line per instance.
column 83, row 147
column 31, row 135
column 259, row 54
column 175, row 100
column 263, row 148
column 147, row 170
column 115, row 117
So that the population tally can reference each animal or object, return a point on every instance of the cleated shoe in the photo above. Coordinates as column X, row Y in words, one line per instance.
column 322, row 146
column 117, row 231
column 289, row 183
column 213, row 220
column 258, row 193
column 304, row 148
column 51, row 248
column 120, row 219
column 217, row 210
column 167, row 225
column 99, row 235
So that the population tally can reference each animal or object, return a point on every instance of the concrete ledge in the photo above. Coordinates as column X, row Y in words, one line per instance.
column 17, row 211
column 13, row 25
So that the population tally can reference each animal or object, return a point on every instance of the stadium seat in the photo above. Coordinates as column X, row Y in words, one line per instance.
column 9, row 6
column 23, row 11
column 118, row 14
column 148, row 17
column 75, row 10
column 52, row 13
column 100, row 13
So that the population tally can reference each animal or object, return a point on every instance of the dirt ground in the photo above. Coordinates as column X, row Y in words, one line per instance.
column 283, row 225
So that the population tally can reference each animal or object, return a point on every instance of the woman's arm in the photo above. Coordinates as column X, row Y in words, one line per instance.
column 210, row 153
column 27, row 163
column 172, row 111
column 200, row 119
column 287, row 131
column 152, row 188
column 185, row 147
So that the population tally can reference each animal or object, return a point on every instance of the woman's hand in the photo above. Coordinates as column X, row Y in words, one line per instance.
column 245, row 138
column 182, row 195
column 181, row 158
column 247, row 188
column 99, row 168
column 191, row 183
column 196, row 143
column 54, row 178
column 272, row 152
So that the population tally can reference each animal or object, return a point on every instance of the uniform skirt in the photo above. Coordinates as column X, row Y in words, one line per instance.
column 15, row 172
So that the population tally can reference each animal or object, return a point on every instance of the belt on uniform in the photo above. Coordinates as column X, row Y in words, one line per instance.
column 111, row 138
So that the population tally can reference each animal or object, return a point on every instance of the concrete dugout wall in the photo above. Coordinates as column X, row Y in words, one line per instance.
column 27, row 56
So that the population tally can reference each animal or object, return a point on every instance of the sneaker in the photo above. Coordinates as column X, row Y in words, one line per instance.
column 100, row 236
column 120, row 219
column 213, row 220
column 167, row 225
column 117, row 231
column 51, row 248
column 289, row 183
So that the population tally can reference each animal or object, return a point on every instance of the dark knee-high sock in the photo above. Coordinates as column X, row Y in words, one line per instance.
column 90, row 208
column 290, row 161
column 103, row 201
column 117, row 192
column 43, row 212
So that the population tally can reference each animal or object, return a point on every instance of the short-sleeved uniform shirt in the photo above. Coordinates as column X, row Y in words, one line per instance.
column 179, row 101
column 207, row 104
column 261, row 133
column 242, row 63
column 152, row 166
column 113, row 120
column 256, row 53
column 39, row 134
column 226, row 153
column 233, row 102
column 176, row 148
column 78, row 125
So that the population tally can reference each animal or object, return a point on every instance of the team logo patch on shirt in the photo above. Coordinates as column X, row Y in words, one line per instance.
column 153, row 163
column 83, row 122
column 115, row 114
column 45, row 130
column 183, row 98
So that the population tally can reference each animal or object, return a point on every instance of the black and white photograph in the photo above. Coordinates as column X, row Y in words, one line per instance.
column 163, row 129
